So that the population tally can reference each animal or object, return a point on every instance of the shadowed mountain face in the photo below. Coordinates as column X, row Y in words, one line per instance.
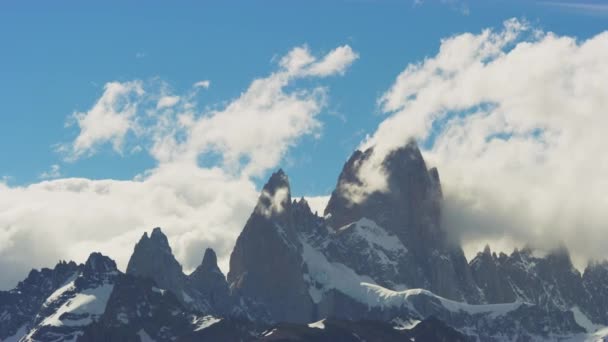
column 410, row 208
column 377, row 267
column 266, row 263
column 152, row 257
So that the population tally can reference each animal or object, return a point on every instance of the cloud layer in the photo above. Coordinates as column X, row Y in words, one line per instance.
column 200, row 192
column 515, row 120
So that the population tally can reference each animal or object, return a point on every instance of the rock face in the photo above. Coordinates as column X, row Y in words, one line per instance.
column 19, row 307
column 205, row 290
column 410, row 208
column 137, row 310
column 210, row 285
column 153, row 258
column 79, row 302
column 595, row 279
column 551, row 282
column 266, row 263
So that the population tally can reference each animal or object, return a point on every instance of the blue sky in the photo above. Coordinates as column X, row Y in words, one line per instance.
column 56, row 59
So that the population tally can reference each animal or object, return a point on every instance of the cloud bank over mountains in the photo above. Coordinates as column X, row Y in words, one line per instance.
column 513, row 118
column 515, row 121
column 197, row 206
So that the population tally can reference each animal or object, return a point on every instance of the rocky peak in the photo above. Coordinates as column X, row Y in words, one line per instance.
column 99, row 263
column 487, row 250
column 266, row 262
column 152, row 257
column 275, row 198
column 409, row 206
column 209, row 260
column 211, row 285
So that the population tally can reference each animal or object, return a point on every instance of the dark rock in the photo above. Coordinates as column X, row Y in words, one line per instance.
column 266, row 263
column 152, row 257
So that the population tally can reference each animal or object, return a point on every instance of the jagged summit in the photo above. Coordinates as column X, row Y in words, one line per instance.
column 99, row 263
column 152, row 257
column 275, row 197
column 411, row 200
column 209, row 259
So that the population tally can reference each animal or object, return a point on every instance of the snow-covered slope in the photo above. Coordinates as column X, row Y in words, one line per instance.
column 78, row 303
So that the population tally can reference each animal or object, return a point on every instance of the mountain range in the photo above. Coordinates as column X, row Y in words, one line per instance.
column 379, row 268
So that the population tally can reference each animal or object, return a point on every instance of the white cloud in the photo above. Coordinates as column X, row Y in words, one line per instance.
column 515, row 120
column 203, row 84
column 167, row 101
column 69, row 218
column 277, row 201
column 108, row 121
column 335, row 62
column 196, row 206
column 252, row 132
column 299, row 62
column 53, row 172
column 317, row 203
column 590, row 8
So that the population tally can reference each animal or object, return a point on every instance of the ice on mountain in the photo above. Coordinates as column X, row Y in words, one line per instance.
column 317, row 325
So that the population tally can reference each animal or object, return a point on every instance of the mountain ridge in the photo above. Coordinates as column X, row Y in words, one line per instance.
column 385, row 258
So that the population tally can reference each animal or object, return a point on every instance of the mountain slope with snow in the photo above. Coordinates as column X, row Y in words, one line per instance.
column 379, row 266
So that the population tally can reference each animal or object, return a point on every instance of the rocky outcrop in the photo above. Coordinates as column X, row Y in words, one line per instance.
column 210, row 285
column 595, row 279
column 153, row 258
column 138, row 310
column 266, row 263
column 19, row 307
column 490, row 277
column 409, row 208
column 79, row 302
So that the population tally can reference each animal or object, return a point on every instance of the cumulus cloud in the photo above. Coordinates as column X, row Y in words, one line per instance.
column 108, row 121
column 514, row 119
column 196, row 204
column 317, row 203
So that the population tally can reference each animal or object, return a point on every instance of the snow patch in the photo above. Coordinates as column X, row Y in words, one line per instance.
column 187, row 298
column 144, row 337
column 380, row 296
column 401, row 324
column 68, row 286
column 582, row 320
column 324, row 275
column 317, row 325
column 268, row 333
column 205, row 322
column 157, row 290
column 375, row 235
column 90, row 301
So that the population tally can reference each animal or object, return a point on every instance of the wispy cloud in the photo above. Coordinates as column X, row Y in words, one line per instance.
column 203, row 84
column 591, row 8
column 459, row 6
column 52, row 173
